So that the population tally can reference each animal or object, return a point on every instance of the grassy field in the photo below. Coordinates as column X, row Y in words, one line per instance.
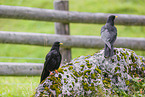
column 25, row 86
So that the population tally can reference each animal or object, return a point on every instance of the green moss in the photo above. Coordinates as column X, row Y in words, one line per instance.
column 51, row 79
column 82, row 69
column 123, row 54
column 132, row 58
column 67, row 76
column 114, row 51
column 85, row 86
column 92, row 84
column 56, row 80
column 127, row 53
column 95, row 81
column 92, row 88
column 117, row 74
column 70, row 86
column 76, row 80
column 70, row 64
column 117, row 68
column 93, row 76
column 112, row 60
column 127, row 82
column 57, row 92
column 105, row 82
column 46, row 88
column 98, row 70
column 76, row 74
column 86, row 76
column 89, row 66
column 60, row 76
column 136, row 57
column 125, row 57
column 73, row 76
column 142, row 69
column 65, row 69
column 52, row 87
column 118, row 64
column 121, row 57
column 87, row 61
column 77, row 62
column 125, row 69
column 60, row 70
column 118, row 58
column 70, row 68
column 59, row 80
column 140, row 59
column 65, row 82
column 82, row 66
column 87, row 71
column 81, row 73
column 73, row 83
column 134, row 65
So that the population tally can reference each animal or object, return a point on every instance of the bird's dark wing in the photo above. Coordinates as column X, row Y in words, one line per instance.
column 49, row 64
column 51, row 61
column 59, row 58
column 113, row 34
column 105, row 36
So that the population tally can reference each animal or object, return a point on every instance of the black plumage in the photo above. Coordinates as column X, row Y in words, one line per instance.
column 108, row 35
column 52, row 61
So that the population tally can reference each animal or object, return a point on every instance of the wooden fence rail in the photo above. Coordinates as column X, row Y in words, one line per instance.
column 75, row 41
column 20, row 69
column 16, row 12
column 64, row 18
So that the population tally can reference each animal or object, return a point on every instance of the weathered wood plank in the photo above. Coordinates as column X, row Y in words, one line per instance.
column 69, row 41
column 63, row 29
column 16, row 12
column 20, row 69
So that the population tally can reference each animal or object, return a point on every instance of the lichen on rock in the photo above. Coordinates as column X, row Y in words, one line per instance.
column 85, row 75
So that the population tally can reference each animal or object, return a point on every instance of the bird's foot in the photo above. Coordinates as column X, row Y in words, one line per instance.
column 56, row 71
column 51, row 73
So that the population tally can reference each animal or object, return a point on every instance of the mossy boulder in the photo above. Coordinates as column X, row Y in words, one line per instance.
column 88, row 75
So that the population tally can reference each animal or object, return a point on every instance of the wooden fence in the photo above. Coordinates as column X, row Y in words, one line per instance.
column 62, row 17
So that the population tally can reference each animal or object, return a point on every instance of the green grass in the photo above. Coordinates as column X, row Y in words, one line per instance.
column 18, row 86
column 25, row 86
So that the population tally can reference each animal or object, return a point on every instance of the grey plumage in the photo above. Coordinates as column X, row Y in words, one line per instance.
column 108, row 35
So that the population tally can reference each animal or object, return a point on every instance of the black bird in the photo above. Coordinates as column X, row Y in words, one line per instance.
column 52, row 61
column 108, row 35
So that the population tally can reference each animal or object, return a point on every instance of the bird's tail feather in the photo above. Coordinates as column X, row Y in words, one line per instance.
column 106, row 51
column 44, row 75
column 111, row 51
column 108, row 44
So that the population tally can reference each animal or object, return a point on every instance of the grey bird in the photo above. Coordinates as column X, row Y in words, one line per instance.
column 108, row 35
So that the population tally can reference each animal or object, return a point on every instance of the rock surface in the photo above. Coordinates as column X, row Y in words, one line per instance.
column 88, row 75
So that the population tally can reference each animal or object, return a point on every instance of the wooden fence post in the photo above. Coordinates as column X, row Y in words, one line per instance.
column 63, row 28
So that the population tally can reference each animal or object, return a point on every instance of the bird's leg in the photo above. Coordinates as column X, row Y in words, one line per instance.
column 56, row 71
column 51, row 73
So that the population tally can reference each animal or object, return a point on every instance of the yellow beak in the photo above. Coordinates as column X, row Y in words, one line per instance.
column 60, row 43
column 116, row 16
